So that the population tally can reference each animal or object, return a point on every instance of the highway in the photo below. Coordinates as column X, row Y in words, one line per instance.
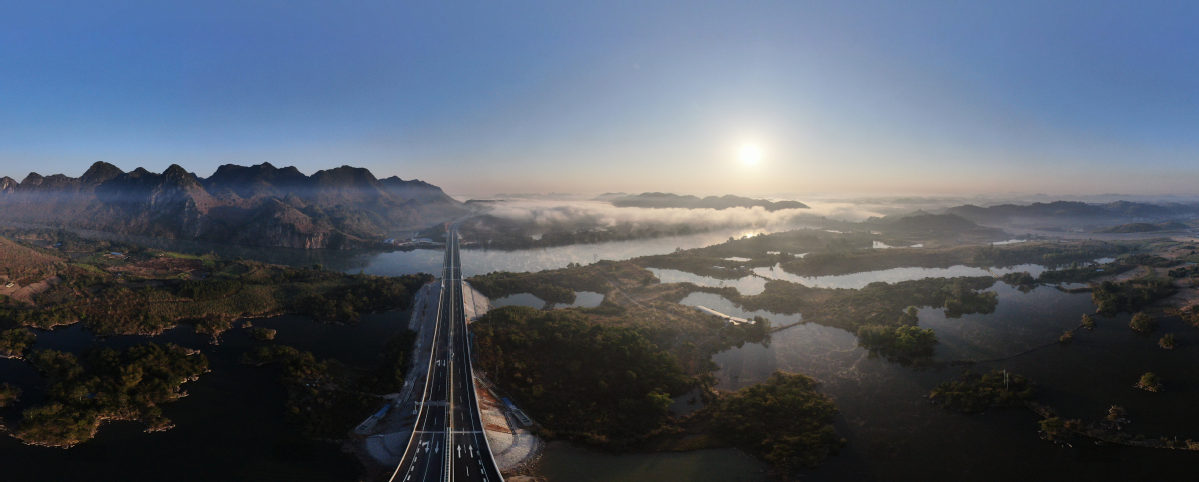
column 448, row 442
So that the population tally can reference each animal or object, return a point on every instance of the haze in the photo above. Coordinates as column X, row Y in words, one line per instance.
column 894, row 97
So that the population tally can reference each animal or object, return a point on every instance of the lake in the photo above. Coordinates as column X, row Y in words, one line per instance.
column 895, row 434
column 231, row 426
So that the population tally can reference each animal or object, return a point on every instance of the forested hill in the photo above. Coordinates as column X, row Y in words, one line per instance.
column 262, row 205
column 668, row 200
column 1073, row 212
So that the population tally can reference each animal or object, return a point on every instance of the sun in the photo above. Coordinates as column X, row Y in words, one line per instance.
column 749, row 154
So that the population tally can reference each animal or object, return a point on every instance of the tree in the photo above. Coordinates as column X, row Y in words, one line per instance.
column 1150, row 382
column 1167, row 341
column 784, row 420
column 1088, row 321
column 1142, row 323
column 1066, row 337
column 8, row 394
column 1054, row 428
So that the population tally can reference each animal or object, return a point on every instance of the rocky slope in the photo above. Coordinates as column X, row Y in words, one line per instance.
column 260, row 205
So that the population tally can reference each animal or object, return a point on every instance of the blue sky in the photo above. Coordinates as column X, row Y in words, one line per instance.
column 482, row 97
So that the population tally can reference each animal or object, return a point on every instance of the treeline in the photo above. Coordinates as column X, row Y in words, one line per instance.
column 327, row 398
column 1047, row 254
column 492, row 232
column 759, row 248
column 110, row 303
column 8, row 394
column 975, row 393
column 902, row 343
column 605, row 385
column 15, row 343
column 714, row 267
column 758, row 251
column 1112, row 297
column 783, row 420
column 106, row 384
column 363, row 294
column 26, row 265
column 557, row 285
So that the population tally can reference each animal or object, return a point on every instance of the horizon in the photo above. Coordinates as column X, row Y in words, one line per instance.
column 997, row 197
column 1069, row 98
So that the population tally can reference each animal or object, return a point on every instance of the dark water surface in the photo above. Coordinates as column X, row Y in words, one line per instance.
column 231, row 426
column 895, row 434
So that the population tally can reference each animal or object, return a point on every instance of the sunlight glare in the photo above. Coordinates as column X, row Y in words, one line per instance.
column 749, row 154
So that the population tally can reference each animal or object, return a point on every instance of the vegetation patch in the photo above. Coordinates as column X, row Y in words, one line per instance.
column 975, row 393
column 8, row 394
column 15, row 343
column 606, row 385
column 106, row 384
column 262, row 334
column 1047, row 254
column 783, row 420
column 560, row 285
column 1150, row 382
column 145, row 292
column 1142, row 323
column 326, row 398
column 1111, row 297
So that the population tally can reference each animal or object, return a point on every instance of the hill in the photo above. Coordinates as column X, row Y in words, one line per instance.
column 1144, row 228
column 1073, row 213
column 660, row 200
column 262, row 205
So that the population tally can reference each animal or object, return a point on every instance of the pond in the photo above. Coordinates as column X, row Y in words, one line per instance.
column 749, row 285
column 518, row 299
column 583, row 299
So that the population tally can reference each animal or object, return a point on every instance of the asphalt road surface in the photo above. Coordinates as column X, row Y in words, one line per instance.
column 448, row 442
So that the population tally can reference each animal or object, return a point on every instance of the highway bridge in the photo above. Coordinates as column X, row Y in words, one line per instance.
column 448, row 442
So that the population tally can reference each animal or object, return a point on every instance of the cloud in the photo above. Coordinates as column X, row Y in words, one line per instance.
column 551, row 212
column 547, row 213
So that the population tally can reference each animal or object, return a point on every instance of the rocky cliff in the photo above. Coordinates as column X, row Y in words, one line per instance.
column 260, row 205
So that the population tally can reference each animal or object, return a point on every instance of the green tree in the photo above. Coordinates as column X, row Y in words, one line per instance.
column 1142, row 323
column 784, row 420
column 1150, row 382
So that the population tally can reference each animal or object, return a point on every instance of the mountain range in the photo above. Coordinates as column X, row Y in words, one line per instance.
column 261, row 205
column 1073, row 212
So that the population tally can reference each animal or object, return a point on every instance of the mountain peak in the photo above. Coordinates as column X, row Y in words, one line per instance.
column 33, row 179
column 100, row 172
column 345, row 176
column 176, row 171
